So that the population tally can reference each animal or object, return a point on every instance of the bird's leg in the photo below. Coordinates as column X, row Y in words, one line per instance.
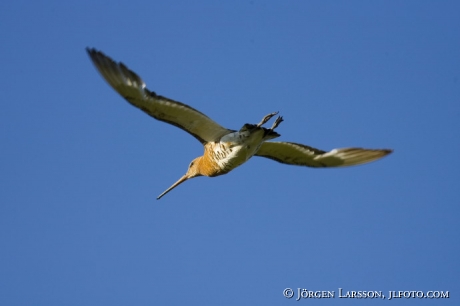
column 276, row 123
column 266, row 118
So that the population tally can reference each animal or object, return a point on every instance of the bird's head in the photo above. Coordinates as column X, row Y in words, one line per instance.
column 193, row 171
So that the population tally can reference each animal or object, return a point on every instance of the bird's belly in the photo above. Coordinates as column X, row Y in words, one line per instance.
column 236, row 148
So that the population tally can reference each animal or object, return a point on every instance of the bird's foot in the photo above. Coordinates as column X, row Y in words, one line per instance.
column 276, row 123
column 266, row 118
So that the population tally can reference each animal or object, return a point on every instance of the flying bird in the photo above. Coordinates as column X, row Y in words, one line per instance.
column 224, row 149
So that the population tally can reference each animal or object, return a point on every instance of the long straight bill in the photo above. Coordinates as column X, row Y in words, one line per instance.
column 180, row 181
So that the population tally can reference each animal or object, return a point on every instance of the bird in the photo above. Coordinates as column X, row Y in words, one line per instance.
column 224, row 149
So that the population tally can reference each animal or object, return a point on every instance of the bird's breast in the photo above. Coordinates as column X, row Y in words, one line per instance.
column 234, row 149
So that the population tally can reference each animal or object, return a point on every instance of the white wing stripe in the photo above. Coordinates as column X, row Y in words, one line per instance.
column 133, row 89
column 302, row 155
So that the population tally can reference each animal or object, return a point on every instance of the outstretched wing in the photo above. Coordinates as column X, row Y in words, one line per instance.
column 131, row 87
column 301, row 155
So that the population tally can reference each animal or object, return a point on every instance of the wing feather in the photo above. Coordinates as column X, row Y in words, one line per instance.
column 131, row 87
column 301, row 155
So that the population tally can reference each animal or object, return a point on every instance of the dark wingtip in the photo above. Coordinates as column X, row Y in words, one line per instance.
column 90, row 50
column 387, row 151
column 94, row 53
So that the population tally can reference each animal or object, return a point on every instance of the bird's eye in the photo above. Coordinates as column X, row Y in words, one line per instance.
column 191, row 164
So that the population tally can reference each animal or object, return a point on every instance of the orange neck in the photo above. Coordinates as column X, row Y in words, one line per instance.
column 208, row 166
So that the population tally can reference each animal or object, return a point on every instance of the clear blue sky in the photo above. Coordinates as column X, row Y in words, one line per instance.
column 80, row 168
